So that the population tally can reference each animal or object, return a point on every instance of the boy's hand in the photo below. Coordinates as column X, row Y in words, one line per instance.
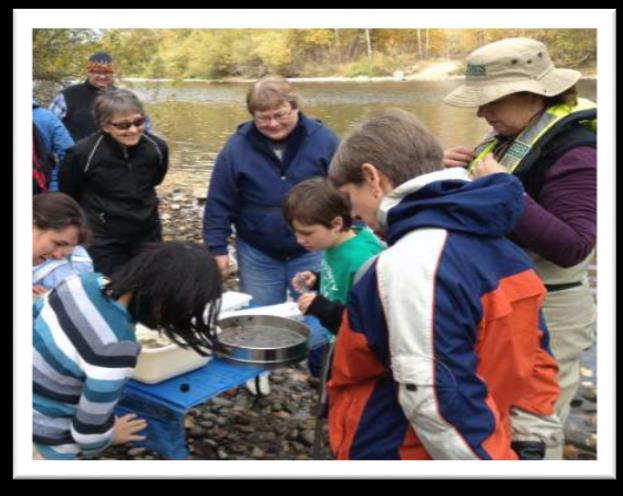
column 305, row 301
column 126, row 427
column 222, row 262
column 458, row 156
column 303, row 281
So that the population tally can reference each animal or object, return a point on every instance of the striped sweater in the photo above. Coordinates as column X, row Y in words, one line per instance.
column 51, row 272
column 84, row 351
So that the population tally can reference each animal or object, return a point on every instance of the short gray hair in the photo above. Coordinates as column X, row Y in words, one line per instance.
column 395, row 142
column 115, row 101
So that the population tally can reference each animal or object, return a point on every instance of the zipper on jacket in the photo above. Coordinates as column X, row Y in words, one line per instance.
column 126, row 157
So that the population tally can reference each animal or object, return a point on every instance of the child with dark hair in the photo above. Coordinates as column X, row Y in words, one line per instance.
column 85, row 349
column 320, row 217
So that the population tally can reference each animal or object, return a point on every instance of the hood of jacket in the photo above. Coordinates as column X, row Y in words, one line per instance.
column 489, row 206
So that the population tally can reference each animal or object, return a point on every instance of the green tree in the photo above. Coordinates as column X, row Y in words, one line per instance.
column 61, row 54
column 273, row 47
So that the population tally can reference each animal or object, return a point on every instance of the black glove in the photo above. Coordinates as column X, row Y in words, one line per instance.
column 529, row 450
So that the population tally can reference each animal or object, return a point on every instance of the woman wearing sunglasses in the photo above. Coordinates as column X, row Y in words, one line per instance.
column 113, row 174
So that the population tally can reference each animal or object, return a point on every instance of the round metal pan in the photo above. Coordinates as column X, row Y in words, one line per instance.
column 262, row 340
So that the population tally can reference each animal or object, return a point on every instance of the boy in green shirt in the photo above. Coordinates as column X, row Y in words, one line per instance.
column 320, row 217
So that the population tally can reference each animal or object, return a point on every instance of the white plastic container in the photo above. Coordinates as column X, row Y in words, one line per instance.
column 155, row 365
column 159, row 364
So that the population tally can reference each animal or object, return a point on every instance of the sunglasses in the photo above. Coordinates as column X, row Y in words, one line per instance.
column 127, row 125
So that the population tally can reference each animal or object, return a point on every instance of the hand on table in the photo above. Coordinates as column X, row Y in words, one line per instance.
column 126, row 427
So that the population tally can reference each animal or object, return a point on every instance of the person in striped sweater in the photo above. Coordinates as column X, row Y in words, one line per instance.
column 85, row 350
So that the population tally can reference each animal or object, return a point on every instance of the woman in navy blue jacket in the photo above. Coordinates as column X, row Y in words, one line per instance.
column 260, row 163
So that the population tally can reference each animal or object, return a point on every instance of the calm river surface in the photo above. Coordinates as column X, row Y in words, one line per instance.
column 196, row 118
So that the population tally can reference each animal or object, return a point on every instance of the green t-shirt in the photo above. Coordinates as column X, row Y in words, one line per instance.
column 341, row 263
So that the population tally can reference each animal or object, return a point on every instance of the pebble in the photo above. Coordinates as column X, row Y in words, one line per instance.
column 137, row 451
column 257, row 453
column 307, row 438
column 222, row 402
column 588, row 392
column 242, row 420
column 196, row 431
column 245, row 428
column 584, row 372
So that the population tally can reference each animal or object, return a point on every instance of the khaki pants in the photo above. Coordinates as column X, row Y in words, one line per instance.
column 570, row 316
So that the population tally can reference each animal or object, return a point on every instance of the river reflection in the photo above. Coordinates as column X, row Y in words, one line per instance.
column 196, row 118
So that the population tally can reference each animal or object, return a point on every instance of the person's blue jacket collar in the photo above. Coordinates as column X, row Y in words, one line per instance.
column 489, row 206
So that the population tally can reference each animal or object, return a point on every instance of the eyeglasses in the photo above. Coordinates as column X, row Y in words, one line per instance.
column 278, row 116
column 138, row 122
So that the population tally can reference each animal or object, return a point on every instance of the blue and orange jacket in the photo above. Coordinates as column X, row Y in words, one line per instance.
column 443, row 336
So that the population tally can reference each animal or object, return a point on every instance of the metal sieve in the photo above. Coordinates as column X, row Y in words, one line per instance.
column 262, row 340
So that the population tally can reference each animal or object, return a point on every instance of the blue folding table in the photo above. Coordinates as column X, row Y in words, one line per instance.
column 165, row 404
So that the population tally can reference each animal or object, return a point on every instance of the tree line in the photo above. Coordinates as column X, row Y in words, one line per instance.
column 59, row 54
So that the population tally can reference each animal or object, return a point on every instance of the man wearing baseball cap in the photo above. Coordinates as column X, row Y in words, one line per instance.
column 543, row 133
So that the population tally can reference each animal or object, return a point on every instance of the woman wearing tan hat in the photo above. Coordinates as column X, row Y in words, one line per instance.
column 544, row 134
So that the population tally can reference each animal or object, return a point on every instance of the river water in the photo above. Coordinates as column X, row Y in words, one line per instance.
column 196, row 118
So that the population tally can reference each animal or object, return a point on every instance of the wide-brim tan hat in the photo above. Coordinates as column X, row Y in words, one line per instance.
column 510, row 66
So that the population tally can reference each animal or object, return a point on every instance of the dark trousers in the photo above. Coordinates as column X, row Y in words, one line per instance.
column 110, row 253
column 315, row 360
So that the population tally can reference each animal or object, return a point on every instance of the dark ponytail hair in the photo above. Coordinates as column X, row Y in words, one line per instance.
column 176, row 288
column 57, row 211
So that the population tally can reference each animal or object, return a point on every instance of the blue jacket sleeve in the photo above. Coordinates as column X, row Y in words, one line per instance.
column 222, row 205
column 61, row 139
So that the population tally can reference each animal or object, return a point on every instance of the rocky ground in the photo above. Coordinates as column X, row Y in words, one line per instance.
column 240, row 426
column 280, row 426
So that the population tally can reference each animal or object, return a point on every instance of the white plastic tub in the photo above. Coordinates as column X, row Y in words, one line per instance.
column 159, row 364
